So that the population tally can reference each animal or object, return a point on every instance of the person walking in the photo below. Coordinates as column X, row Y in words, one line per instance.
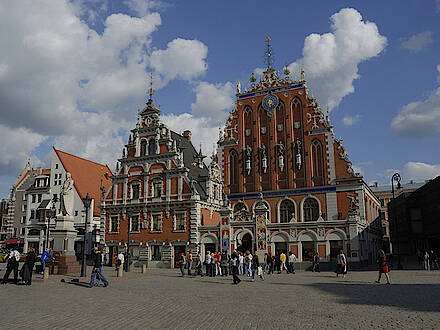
column 13, row 260
column 292, row 260
column 189, row 261
column 120, row 261
column 277, row 263
column 217, row 258
column 224, row 259
column 28, row 266
column 316, row 263
column 241, row 263
column 208, row 260
column 101, row 254
column 383, row 266
column 283, row 262
column 342, row 264
column 267, row 263
column 433, row 260
column 199, row 270
column 248, row 263
column 43, row 259
column 96, row 271
column 256, row 267
column 234, row 266
column 182, row 263
column 426, row 261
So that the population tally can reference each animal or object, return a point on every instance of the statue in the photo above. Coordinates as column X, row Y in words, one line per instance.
column 66, row 196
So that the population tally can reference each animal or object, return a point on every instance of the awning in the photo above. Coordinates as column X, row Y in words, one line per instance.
column 13, row 241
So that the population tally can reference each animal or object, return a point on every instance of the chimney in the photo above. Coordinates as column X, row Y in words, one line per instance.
column 411, row 181
column 187, row 134
column 375, row 184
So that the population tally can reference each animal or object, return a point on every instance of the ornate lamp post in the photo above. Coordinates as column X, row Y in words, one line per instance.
column 396, row 177
column 50, row 214
column 87, row 201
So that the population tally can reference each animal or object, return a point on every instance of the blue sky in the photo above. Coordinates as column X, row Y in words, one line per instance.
column 74, row 73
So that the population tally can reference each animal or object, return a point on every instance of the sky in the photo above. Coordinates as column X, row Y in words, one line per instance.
column 73, row 74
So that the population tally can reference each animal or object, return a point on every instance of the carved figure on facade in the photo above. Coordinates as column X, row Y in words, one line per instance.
column 281, row 150
column 263, row 158
column 354, row 205
column 298, row 158
column 66, row 196
column 248, row 157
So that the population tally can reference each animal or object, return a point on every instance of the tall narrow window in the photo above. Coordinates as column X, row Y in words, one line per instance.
column 114, row 224
column 152, row 147
column 134, row 223
column 143, row 148
column 179, row 224
column 233, row 171
column 156, row 223
column 287, row 211
column 317, row 163
column 135, row 191
column 157, row 188
column 311, row 209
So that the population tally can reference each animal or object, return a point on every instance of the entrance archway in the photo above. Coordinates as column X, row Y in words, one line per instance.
column 246, row 243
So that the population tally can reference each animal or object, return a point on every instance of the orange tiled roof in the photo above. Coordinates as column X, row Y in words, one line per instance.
column 87, row 176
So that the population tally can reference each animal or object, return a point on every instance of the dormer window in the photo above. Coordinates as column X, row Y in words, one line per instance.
column 135, row 188
column 143, row 148
column 152, row 147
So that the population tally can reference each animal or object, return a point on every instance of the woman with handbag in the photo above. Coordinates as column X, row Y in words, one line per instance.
column 383, row 266
column 256, row 267
column 342, row 264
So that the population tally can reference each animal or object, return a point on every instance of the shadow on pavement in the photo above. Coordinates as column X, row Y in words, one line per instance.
column 414, row 297
column 82, row 284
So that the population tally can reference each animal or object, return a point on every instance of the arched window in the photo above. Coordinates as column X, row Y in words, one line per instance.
column 317, row 163
column 152, row 147
column 311, row 209
column 143, row 148
column 233, row 171
column 287, row 211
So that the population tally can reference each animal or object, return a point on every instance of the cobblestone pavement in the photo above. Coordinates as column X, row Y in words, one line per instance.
column 162, row 299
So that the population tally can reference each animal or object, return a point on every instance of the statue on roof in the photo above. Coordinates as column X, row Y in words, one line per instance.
column 66, row 196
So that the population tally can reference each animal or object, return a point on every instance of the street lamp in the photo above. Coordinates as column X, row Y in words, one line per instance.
column 127, row 269
column 50, row 214
column 87, row 201
column 396, row 177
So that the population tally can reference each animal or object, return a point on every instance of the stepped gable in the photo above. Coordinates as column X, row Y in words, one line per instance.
column 88, row 176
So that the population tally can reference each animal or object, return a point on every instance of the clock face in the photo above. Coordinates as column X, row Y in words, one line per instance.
column 270, row 102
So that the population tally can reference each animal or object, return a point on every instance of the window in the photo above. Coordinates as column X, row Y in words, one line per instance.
column 287, row 211
column 59, row 182
column 143, row 148
column 156, row 223
column 318, row 163
column 34, row 198
column 233, row 171
column 135, row 191
column 152, row 147
column 22, row 231
column 24, row 197
column 23, row 219
column 156, row 252
column 39, row 198
column 157, row 188
column 382, row 202
column 311, row 209
column 114, row 224
column 179, row 224
column 56, row 166
column 76, row 213
column 32, row 214
column 134, row 223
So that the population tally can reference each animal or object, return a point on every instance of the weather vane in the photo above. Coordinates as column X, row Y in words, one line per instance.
column 151, row 91
column 269, row 59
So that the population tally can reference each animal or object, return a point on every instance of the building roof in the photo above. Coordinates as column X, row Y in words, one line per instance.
column 410, row 186
column 88, row 176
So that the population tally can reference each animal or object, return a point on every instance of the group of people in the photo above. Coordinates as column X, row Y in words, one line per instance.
column 26, row 271
column 429, row 258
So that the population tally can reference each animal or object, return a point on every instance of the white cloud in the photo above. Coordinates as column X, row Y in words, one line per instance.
column 349, row 121
column 143, row 7
column 419, row 171
column 419, row 119
column 418, row 41
column 185, row 59
column 331, row 60
column 212, row 101
column 16, row 147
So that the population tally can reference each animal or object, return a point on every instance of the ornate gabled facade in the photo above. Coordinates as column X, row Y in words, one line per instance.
column 163, row 191
column 278, row 152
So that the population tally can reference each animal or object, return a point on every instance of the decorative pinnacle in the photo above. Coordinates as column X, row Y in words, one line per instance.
column 252, row 79
column 269, row 60
column 286, row 70
column 151, row 91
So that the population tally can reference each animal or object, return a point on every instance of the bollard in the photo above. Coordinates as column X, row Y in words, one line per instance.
column 144, row 268
column 46, row 273
column 119, row 272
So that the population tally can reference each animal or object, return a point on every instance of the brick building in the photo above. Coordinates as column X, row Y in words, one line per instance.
column 289, row 180
column 162, row 192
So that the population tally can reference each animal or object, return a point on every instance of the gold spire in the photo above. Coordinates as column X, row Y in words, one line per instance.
column 269, row 59
column 286, row 70
column 151, row 91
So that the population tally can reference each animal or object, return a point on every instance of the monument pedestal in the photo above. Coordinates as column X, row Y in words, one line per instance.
column 64, row 236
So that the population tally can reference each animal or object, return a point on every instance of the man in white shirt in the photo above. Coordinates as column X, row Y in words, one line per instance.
column 240, row 263
column 292, row 260
column 13, row 259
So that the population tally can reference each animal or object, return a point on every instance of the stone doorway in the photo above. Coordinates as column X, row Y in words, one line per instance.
column 246, row 243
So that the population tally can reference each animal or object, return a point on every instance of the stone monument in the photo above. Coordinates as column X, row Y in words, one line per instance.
column 64, row 234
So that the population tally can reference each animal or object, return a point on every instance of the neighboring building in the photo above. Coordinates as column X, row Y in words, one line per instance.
column 4, row 219
column 278, row 151
column 385, row 195
column 163, row 191
column 414, row 219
